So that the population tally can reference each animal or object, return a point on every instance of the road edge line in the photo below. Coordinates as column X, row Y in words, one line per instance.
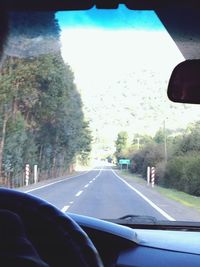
column 56, row 182
column 161, row 211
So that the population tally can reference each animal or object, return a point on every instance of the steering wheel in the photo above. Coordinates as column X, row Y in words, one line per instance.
column 58, row 240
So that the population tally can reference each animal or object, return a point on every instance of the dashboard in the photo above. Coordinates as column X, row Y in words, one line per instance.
column 122, row 246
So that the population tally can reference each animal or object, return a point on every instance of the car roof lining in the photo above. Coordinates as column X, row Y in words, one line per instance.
column 180, row 18
column 87, row 4
column 184, row 28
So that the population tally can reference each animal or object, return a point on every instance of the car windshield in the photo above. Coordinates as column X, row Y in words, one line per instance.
column 85, row 122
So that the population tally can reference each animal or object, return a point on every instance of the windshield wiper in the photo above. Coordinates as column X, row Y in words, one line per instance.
column 135, row 220
column 138, row 219
column 150, row 222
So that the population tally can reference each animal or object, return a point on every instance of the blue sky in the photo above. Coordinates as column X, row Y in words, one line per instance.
column 122, row 18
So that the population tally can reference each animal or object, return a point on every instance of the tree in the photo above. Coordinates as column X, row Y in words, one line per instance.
column 150, row 155
column 41, row 117
column 190, row 140
column 159, row 136
column 142, row 140
column 43, row 121
column 121, row 144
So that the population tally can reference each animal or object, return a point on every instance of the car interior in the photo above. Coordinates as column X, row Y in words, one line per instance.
column 69, row 239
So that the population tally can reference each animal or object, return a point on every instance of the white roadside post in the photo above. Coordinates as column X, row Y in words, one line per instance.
column 35, row 174
column 152, row 176
column 27, row 174
column 148, row 175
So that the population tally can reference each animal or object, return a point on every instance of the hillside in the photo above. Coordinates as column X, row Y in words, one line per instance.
column 122, row 76
column 138, row 104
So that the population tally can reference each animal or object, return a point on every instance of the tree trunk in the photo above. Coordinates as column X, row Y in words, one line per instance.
column 40, row 155
column 54, row 167
column 54, row 159
column 2, row 141
column 14, row 108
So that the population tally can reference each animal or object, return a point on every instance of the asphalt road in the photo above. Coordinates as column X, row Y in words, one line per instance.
column 100, row 193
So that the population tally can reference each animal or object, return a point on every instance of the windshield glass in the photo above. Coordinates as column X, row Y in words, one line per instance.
column 85, row 122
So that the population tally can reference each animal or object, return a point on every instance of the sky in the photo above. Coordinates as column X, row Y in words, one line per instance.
column 104, row 46
column 121, row 18
column 115, row 37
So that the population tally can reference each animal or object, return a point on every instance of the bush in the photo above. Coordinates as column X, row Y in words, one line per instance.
column 174, row 172
column 150, row 155
column 160, row 172
column 192, row 183
column 183, row 173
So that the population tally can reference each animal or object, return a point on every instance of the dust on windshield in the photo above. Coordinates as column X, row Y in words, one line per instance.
column 85, row 122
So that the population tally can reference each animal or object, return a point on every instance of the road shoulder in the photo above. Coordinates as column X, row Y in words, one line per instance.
column 47, row 182
column 171, row 207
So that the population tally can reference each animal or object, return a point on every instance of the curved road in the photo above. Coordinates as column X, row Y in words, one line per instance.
column 100, row 193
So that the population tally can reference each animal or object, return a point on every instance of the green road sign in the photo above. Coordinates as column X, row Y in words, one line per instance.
column 124, row 161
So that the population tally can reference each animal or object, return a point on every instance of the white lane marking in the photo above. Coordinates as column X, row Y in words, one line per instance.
column 68, row 178
column 79, row 193
column 65, row 208
column 102, row 169
column 166, row 215
column 98, row 174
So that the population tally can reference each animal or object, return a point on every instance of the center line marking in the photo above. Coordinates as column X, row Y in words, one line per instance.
column 90, row 182
column 86, row 185
column 65, row 208
column 79, row 193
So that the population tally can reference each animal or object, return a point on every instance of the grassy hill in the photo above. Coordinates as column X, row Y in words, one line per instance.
column 137, row 103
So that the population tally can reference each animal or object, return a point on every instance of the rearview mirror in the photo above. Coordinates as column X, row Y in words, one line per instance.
column 184, row 84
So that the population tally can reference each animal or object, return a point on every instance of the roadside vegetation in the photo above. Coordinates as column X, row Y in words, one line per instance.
column 176, row 157
column 41, row 118
column 181, row 197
